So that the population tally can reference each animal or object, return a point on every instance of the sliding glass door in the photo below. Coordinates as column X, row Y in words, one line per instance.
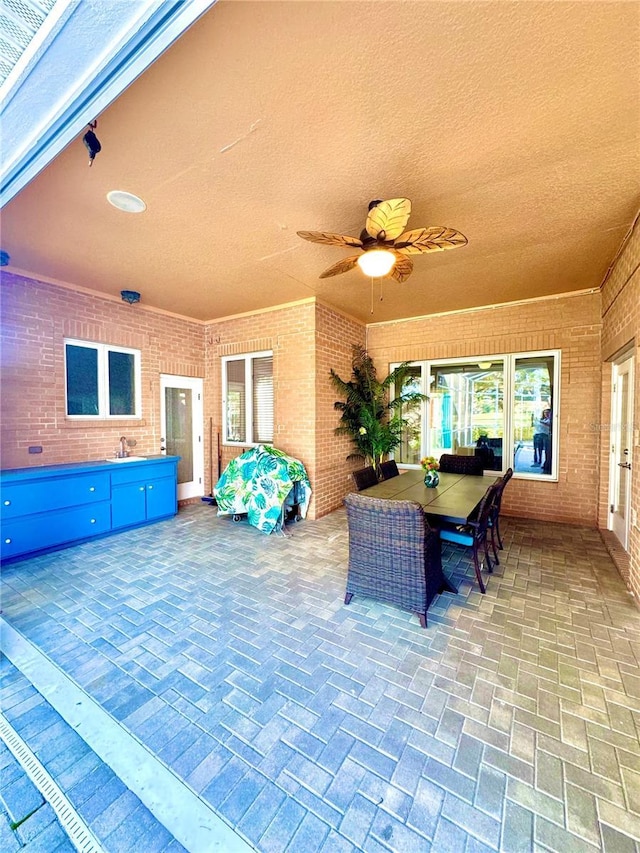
column 502, row 408
column 466, row 409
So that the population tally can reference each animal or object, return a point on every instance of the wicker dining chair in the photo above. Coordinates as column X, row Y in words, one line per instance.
column 452, row 463
column 476, row 535
column 389, row 469
column 365, row 477
column 394, row 555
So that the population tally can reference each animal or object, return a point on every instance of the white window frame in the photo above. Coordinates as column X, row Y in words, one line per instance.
column 509, row 364
column 248, row 359
column 103, row 351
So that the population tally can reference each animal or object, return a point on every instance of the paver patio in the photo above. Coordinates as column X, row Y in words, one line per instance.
column 512, row 723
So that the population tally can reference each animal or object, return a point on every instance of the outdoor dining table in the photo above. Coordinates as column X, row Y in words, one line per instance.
column 454, row 499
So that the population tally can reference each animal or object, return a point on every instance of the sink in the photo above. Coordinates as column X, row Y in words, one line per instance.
column 126, row 459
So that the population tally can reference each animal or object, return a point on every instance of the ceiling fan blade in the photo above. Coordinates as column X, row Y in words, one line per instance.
column 343, row 265
column 434, row 239
column 330, row 239
column 402, row 268
column 390, row 216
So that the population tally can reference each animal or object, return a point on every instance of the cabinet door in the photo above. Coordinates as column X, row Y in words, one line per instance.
column 161, row 498
column 128, row 505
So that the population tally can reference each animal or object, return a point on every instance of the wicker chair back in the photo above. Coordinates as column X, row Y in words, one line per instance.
column 394, row 556
column 364, row 477
column 452, row 463
column 389, row 469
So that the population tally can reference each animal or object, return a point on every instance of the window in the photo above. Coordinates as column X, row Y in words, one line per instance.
column 503, row 408
column 101, row 381
column 247, row 404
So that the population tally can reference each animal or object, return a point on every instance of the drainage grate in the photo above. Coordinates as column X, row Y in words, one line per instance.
column 79, row 833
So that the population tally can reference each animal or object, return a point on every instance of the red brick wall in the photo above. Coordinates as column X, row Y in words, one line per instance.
column 335, row 335
column 570, row 324
column 289, row 333
column 621, row 328
column 36, row 317
column 307, row 340
column 304, row 338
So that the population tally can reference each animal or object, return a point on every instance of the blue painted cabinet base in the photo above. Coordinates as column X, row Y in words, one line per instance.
column 55, row 506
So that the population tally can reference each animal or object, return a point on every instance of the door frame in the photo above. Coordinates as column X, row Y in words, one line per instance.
column 621, row 445
column 194, row 488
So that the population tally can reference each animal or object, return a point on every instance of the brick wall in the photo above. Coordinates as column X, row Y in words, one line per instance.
column 36, row 317
column 304, row 338
column 289, row 333
column 621, row 329
column 307, row 340
column 570, row 324
column 335, row 335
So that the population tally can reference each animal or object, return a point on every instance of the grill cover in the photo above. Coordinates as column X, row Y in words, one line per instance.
column 258, row 483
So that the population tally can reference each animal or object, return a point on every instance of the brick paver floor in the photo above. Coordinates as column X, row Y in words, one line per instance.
column 512, row 723
column 117, row 818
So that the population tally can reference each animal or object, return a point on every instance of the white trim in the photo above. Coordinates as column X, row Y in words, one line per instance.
column 509, row 365
column 616, row 432
column 248, row 359
column 103, row 351
column 192, row 488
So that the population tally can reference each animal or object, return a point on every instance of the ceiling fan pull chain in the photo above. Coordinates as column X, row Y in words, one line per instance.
column 372, row 294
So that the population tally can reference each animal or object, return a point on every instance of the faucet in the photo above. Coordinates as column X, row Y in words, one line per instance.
column 123, row 448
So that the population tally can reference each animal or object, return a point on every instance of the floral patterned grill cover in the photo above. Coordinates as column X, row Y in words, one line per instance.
column 258, row 482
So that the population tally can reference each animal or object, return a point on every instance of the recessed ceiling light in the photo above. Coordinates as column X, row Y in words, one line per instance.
column 128, row 202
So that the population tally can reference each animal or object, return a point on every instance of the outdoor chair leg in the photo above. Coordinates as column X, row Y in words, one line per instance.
column 487, row 557
column 476, row 566
column 347, row 598
column 493, row 547
column 423, row 619
column 497, row 529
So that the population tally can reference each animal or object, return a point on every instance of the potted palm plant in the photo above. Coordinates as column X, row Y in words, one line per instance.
column 370, row 417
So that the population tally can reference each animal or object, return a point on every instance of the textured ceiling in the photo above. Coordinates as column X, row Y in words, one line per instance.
column 516, row 123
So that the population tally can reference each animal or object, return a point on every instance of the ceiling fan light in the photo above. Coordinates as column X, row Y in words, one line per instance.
column 377, row 262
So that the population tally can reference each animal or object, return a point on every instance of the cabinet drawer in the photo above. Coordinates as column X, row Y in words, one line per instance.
column 36, row 532
column 53, row 493
column 132, row 473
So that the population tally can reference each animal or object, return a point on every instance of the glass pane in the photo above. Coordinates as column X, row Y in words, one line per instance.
column 466, row 411
column 236, row 426
column 82, row 380
column 532, row 421
column 624, row 441
column 409, row 450
column 263, row 399
column 122, row 381
column 179, row 438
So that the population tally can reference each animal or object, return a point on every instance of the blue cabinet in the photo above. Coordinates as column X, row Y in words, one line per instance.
column 54, row 506
column 142, row 494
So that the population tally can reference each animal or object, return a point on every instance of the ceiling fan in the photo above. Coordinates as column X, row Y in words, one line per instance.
column 384, row 242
